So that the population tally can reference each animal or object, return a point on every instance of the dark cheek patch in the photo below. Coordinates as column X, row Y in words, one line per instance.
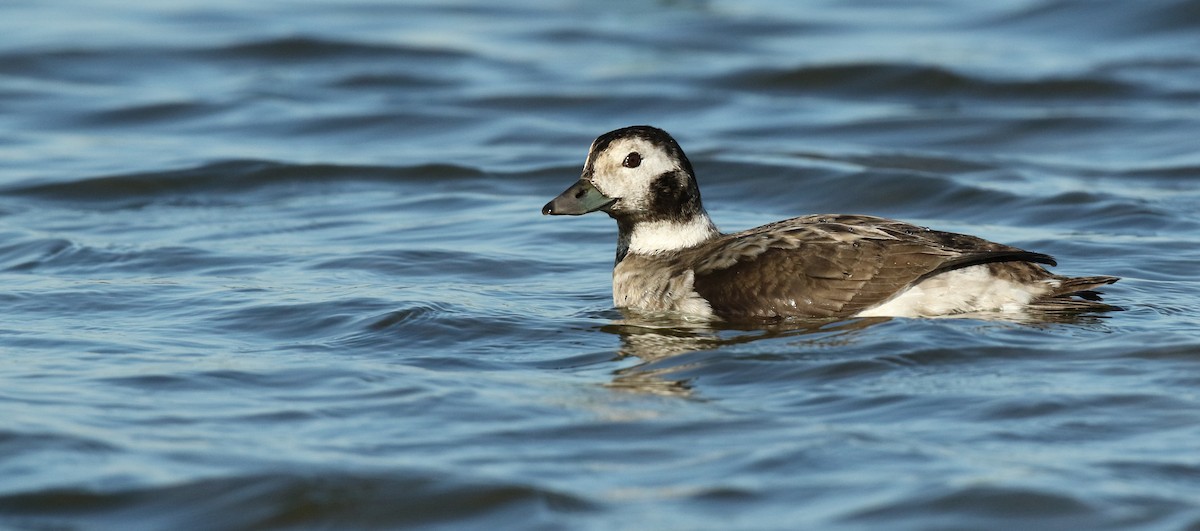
column 669, row 198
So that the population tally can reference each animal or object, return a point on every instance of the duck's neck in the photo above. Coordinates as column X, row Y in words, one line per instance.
column 663, row 236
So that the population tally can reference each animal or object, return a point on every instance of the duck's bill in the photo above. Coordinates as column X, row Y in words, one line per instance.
column 580, row 198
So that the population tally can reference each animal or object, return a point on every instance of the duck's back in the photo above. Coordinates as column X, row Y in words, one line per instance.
column 847, row 265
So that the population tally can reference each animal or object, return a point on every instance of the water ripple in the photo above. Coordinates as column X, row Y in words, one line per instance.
column 398, row 499
column 225, row 178
column 927, row 81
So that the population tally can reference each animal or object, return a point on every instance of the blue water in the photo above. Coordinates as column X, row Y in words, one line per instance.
column 281, row 265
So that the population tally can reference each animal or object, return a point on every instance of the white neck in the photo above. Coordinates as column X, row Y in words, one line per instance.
column 651, row 237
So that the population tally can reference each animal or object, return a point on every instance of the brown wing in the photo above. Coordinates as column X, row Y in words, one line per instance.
column 831, row 266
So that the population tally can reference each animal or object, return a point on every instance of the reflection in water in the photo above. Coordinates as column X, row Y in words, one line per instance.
column 655, row 338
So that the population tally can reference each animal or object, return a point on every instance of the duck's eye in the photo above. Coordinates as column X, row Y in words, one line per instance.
column 632, row 160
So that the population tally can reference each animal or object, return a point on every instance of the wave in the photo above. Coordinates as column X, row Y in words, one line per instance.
column 63, row 256
column 232, row 176
column 317, row 499
column 913, row 80
column 980, row 507
column 166, row 111
column 426, row 262
column 390, row 80
column 306, row 49
column 273, row 50
column 1085, row 19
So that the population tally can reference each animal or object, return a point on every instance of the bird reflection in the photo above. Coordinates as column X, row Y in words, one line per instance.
column 654, row 338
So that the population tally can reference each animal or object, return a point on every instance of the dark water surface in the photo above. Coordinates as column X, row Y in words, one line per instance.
column 281, row 265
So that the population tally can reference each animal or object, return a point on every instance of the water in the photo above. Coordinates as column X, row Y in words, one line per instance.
column 281, row 265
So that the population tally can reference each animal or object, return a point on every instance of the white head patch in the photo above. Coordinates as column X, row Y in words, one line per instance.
column 631, row 185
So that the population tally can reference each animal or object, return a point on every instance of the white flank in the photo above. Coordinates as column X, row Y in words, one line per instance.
column 970, row 289
column 665, row 236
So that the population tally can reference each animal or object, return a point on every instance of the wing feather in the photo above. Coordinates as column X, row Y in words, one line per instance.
column 831, row 266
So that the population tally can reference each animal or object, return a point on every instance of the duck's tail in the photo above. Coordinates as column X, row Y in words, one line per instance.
column 1075, row 294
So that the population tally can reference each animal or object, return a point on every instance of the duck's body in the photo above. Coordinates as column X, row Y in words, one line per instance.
column 672, row 258
column 841, row 266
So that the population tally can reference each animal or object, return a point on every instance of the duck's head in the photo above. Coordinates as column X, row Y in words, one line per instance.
column 633, row 174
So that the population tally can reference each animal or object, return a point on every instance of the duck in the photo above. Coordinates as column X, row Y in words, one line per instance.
column 671, row 258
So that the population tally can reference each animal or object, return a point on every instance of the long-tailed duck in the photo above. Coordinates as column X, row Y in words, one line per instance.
column 672, row 258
